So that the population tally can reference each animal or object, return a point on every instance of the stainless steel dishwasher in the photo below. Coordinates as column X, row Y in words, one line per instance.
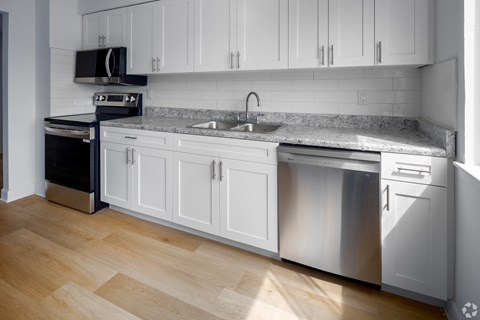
column 330, row 211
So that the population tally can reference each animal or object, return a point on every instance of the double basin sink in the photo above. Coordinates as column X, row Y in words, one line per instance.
column 237, row 126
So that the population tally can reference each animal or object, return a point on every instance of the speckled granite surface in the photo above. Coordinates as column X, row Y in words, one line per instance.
column 384, row 134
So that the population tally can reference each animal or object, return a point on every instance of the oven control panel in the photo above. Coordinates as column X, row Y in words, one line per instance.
column 117, row 99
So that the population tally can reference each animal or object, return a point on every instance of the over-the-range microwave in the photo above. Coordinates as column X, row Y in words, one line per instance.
column 106, row 66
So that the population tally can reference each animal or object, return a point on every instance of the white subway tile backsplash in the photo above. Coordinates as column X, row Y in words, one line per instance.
column 391, row 91
column 315, row 107
column 315, row 84
column 338, row 73
column 365, row 84
column 336, row 96
column 234, row 85
column 293, row 96
column 407, row 84
column 366, row 110
column 272, row 85
column 291, row 75
column 407, row 110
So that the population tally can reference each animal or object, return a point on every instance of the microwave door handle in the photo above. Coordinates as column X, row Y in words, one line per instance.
column 107, row 63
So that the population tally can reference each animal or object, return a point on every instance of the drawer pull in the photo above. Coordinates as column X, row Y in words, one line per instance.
column 388, row 197
column 130, row 137
column 419, row 171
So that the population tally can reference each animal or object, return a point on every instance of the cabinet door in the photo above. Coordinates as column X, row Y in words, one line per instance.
column 92, row 30
column 142, row 24
column 115, row 174
column 308, row 33
column 351, row 33
column 414, row 238
column 402, row 32
column 115, row 31
column 215, row 34
column 176, row 23
column 248, row 203
column 262, row 34
column 195, row 192
column 152, row 182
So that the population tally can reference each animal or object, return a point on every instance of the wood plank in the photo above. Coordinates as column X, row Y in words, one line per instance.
column 157, row 232
column 74, row 302
column 16, row 306
column 47, row 259
column 148, row 303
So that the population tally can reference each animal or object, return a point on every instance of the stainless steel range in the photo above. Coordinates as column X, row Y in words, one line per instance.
column 72, row 150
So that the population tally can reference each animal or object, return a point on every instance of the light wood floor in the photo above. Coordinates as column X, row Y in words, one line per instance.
column 57, row 263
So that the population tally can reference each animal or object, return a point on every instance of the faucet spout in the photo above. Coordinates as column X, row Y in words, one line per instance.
column 246, row 103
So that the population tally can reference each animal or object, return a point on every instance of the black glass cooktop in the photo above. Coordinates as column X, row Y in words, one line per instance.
column 85, row 119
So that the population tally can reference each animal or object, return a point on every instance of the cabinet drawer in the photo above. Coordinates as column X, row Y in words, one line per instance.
column 134, row 137
column 416, row 169
column 248, row 150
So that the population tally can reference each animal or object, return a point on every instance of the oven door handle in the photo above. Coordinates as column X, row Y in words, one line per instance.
column 69, row 133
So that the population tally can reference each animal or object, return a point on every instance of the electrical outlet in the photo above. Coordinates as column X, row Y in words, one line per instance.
column 362, row 97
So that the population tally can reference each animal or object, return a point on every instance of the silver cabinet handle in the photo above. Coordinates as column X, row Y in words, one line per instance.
column 153, row 64
column 130, row 137
column 379, row 52
column 388, row 197
column 158, row 64
column 322, row 56
column 419, row 171
column 214, row 174
column 133, row 156
column 238, row 59
column 129, row 159
column 221, row 170
column 232, row 56
column 331, row 55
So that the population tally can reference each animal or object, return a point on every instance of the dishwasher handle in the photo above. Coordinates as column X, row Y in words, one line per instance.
column 329, row 162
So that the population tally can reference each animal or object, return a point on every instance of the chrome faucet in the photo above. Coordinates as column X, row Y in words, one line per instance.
column 246, row 103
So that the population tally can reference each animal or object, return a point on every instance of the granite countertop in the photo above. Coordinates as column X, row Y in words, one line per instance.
column 408, row 136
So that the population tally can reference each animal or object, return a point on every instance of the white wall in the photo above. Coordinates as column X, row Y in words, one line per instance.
column 42, row 88
column 65, row 25
column 89, row 6
column 391, row 92
column 21, row 105
column 449, row 44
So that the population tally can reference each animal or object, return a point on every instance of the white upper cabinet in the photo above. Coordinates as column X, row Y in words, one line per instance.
column 262, row 31
column 403, row 32
column 215, row 34
column 160, row 37
column 351, row 33
column 141, row 47
column 241, row 35
column 308, row 33
column 331, row 33
column 105, row 29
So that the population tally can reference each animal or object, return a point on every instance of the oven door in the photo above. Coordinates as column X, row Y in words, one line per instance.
column 70, row 156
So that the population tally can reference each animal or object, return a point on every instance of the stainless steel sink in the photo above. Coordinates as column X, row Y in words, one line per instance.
column 218, row 125
column 237, row 126
column 256, row 127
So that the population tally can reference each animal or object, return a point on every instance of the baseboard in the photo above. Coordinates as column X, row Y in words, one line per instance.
column 452, row 311
column 9, row 195
column 414, row 296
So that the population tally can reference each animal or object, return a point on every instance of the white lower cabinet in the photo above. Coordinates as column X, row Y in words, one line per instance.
column 216, row 193
column 195, row 192
column 248, row 203
column 135, row 177
column 414, row 232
